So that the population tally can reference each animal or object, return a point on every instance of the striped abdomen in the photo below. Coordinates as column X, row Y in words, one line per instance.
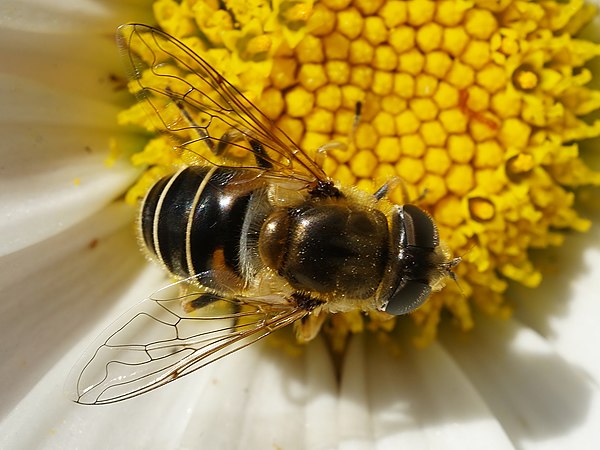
column 193, row 220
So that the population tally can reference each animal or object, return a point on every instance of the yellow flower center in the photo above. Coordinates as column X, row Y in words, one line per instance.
column 476, row 105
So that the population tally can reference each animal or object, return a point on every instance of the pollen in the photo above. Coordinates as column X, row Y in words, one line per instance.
column 477, row 107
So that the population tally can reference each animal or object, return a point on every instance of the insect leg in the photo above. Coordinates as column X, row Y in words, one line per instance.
column 201, row 301
column 321, row 153
column 234, row 135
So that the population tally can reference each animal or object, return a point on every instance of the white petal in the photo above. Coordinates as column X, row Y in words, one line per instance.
column 55, row 141
column 52, row 16
column 565, row 308
column 541, row 400
column 419, row 399
column 53, row 291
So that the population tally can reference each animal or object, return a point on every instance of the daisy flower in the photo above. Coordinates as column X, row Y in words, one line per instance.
column 486, row 107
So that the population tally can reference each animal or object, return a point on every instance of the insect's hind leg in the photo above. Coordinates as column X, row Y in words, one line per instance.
column 201, row 301
column 258, row 150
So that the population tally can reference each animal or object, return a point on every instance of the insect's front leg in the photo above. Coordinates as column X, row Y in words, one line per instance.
column 323, row 150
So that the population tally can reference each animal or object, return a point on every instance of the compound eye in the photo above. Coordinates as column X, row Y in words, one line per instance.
column 419, row 229
column 408, row 298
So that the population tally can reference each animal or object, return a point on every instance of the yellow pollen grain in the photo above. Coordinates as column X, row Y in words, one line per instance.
column 393, row 14
column 454, row 41
column 460, row 179
column 271, row 103
column 310, row 50
column 476, row 54
column 343, row 122
column 366, row 184
column 361, row 76
column 329, row 97
column 350, row 23
column 448, row 211
column 338, row 72
column 481, row 131
column 322, row 21
column 402, row 39
column 336, row 46
column 313, row 140
column 404, row 85
column 450, row 14
column 383, row 83
column 478, row 99
column 384, row 124
column 337, row 5
column 407, row 122
column 368, row 7
column 411, row 62
column 365, row 136
column 258, row 44
column 283, row 74
column 384, row 172
column 344, row 175
column 454, row 120
column 480, row 23
column 437, row 161
column 375, row 30
column 437, row 63
column 514, row 133
column 393, row 104
column 411, row 170
column 385, row 58
column 388, row 149
column 424, row 108
column 461, row 148
column 460, row 75
column 299, row 102
column 434, row 187
column 298, row 12
column 319, row 120
column 429, row 37
column 330, row 165
column 312, row 76
column 420, row 12
column 506, row 104
column 361, row 52
column 363, row 164
column 446, row 96
column 351, row 95
column 412, row 145
column 489, row 181
column 293, row 127
column 491, row 77
column 426, row 85
column 433, row 133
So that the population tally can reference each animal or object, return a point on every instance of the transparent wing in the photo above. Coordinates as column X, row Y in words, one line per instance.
column 169, row 335
column 205, row 112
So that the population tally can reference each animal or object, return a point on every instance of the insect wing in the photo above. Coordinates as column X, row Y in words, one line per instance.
column 201, row 108
column 167, row 336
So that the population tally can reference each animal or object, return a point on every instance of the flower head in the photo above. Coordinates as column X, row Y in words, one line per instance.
column 476, row 106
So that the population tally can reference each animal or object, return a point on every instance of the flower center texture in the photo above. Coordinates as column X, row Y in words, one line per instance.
column 477, row 106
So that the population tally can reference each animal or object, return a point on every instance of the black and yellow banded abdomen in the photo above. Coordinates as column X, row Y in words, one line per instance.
column 192, row 221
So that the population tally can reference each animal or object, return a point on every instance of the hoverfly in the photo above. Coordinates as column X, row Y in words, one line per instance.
column 258, row 240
